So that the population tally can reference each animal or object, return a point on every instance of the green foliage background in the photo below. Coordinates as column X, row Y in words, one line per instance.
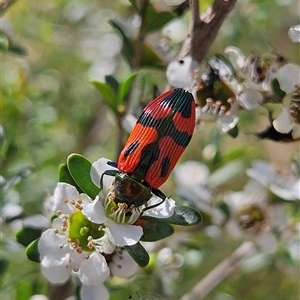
column 49, row 109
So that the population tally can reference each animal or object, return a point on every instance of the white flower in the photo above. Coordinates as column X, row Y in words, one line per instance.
column 254, row 217
column 181, row 73
column 122, row 264
column 195, row 187
column 294, row 33
column 61, row 253
column 118, row 218
column 289, row 80
column 285, row 185
column 176, row 30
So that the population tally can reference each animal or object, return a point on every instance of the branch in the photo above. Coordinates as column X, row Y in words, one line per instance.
column 205, row 29
column 219, row 273
column 141, row 37
column 4, row 5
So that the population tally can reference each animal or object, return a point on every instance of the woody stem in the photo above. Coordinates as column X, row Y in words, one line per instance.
column 219, row 273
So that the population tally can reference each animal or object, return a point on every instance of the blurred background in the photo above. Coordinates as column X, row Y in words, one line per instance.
column 49, row 109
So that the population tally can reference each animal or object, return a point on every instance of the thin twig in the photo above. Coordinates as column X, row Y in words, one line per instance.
column 219, row 273
column 4, row 5
column 61, row 292
column 141, row 36
column 205, row 28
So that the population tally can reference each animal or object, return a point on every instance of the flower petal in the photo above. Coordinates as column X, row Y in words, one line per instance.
column 94, row 292
column 198, row 172
column 54, row 258
column 180, row 73
column 98, row 168
column 122, row 264
column 288, row 77
column 285, row 193
column 294, row 33
column 95, row 212
column 56, row 274
column 94, row 270
column 164, row 210
column 50, row 248
column 250, row 99
column 296, row 131
column 123, row 234
column 225, row 123
column 283, row 122
column 236, row 57
column 64, row 193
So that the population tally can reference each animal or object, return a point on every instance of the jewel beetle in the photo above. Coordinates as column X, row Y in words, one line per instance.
column 158, row 139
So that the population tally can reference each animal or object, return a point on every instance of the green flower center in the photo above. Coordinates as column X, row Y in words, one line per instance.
column 81, row 229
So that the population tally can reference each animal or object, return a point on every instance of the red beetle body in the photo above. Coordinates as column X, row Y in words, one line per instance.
column 161, row 134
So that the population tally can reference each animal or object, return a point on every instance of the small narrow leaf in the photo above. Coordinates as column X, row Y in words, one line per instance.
column 226, row 172
column 4, row 263
column 134, row 4
column 65, row 176
column 276, row 89
column 32, row 251
column 234, row 132
column 108, row 94
column 127, row 49
column 4, row 42
column 80, row 168
column 184, row 216
column 125, row 87
column 154, row 229
column 26, row 235
column 139, row 254
column 150, row 58
column 17, row 49
column 113, row 82
column 155, row 20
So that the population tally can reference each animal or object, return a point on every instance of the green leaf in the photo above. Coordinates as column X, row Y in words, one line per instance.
column 113, row 82
column 127, row 48
column 154, row 229
column 23, row 290
column 32, row 251
column 276, row 89
column 125, row 87
column 4, row 42
column 65, row 176
column 184, row 216
column 26, row 235
column 226, row 172
column 4, row 263
column 108, row 94
column 139, row 254
column 150, row 58
column 234, row 132
column 134, row 4
column 155, row 20
column 17, row 49
column 80, row 168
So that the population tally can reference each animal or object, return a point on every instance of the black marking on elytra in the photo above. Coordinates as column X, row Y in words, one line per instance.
column 131, row 148
column 180, row 101
column 165, row 166
column 165, row 127
column 150, row 153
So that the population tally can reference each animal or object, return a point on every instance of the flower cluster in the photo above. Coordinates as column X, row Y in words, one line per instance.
column 88, row 236
column 223, row 85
